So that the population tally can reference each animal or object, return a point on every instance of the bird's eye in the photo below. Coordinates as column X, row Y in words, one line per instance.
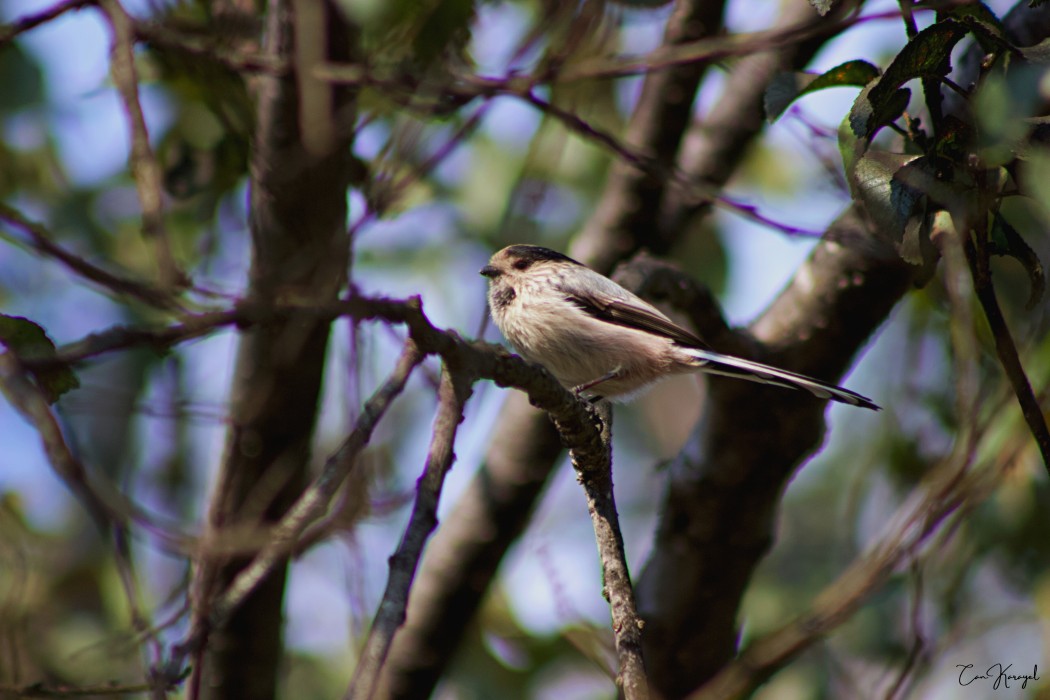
column 521, row 264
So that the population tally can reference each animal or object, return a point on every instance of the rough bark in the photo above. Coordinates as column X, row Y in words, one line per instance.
column 466, row 551
column 299, row 251
column 719, row 510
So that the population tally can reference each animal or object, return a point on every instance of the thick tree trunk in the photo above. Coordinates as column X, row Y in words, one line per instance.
column 300, row 252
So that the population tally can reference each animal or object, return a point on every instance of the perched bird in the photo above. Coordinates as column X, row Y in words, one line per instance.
column 594, row 336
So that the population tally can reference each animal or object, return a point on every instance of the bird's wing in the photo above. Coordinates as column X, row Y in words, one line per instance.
column 633, row 315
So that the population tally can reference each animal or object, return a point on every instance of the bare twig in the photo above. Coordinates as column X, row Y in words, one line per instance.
column 977, row 257
column 24, row 395
column 918, row 646
column 950, row 492
column 245, row 314
column 571, row 416
column 308, row 508
column 144, row 163
column 693, row 190
column 40, row 241
column 453, row 393
column 241, row 61
column 32, row 21
column 596, row 479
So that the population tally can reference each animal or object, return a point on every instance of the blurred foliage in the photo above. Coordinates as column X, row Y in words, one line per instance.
column 153, row 423
column 28, row 342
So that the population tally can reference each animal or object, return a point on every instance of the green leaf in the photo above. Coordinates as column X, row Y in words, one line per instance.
column 983, row 23
column 939, row 180
column 902, row 193
column 787, row 87
column 889, row 205
column 928, row 55
column 868, row 115
column 29, row 341
column 1007, row 241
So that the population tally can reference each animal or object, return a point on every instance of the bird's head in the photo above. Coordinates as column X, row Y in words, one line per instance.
column 517, row 260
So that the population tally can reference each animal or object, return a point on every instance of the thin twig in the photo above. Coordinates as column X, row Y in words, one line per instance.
column 515, row 86
column 692, row 188
column 40, row 241
column 918, row 645
column 596, row 480
column 951, row 491
column 27, row 398
column 453, row 393
column 144, row 165
column 310, row 505
column 313, row 502
column 165, row 37
column 1005, row 348
column 32, row 21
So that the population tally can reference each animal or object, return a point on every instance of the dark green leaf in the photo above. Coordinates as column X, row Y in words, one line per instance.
column 785, row 88
column 29, row 341
column 983, row 23
column 867, row 116
column 901, row 193
column 937, row 179
column 928, row 55
column 1007, row 241
column 22, row 81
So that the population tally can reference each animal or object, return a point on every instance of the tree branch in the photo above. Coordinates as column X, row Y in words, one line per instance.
column 40, row 241
column 948, row 494
column 491, row 514
column 723, row 490
column 597, row 482
column 1005, row 348
column 300, row 251
column 144, row 165
column 32, row 21
column 453, row 392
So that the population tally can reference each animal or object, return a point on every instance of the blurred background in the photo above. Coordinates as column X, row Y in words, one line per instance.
column 153, row 423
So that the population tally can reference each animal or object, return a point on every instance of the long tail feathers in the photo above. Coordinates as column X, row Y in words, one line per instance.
column 726, row 365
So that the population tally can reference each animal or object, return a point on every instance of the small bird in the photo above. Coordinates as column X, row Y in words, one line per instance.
column 594, row 336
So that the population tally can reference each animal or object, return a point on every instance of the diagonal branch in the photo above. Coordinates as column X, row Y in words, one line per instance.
column 453, row 392
column 949, row 493
column 32, row 21
column 1005, row 348
column 40, row 241
column 308, row 508
column 28, row 399
column 597, row 482
column 144, row 165
column 718, row 514
column 493, row 511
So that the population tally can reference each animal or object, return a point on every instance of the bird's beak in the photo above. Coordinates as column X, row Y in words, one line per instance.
column 490, row 272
